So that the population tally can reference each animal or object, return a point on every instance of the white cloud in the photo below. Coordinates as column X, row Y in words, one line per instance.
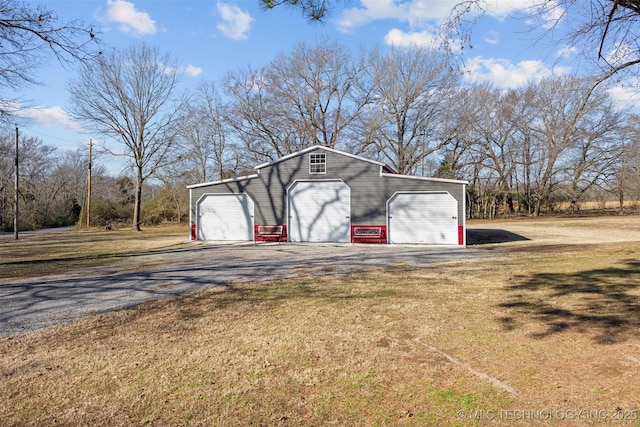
column 502, row 73
column 234, row 23
column 50, row 117
column 626, row 96
column 371, row 10
column 192, row 70
column 417, row 12
column 399, row 38
column 546, row 15
column 566, row 51
column 414, row 12
column 552, row 14
column 130, row 20
column 501, row 8
column 621, row 54
column 492, row 37
column 189, row 70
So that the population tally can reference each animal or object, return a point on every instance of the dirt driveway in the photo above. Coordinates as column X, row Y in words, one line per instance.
column 29, row 305
column 523, row 233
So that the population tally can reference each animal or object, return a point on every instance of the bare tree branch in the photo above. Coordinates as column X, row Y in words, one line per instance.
column 129, row 96
column 28, row 35
column 313, row 10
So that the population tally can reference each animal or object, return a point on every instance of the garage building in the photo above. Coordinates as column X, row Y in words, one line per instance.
column 324, row 195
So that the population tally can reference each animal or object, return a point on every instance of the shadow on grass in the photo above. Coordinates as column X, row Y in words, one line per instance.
column 482, row 236
column 604, row 303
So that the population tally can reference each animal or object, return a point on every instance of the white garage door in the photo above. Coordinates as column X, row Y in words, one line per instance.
column 428, row 218
column 319, row 211
column 225, row 217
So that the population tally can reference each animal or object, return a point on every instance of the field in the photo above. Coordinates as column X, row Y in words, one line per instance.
column 546, row 332
column 611, row 206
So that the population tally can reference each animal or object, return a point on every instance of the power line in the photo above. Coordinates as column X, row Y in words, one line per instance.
column 31, row 130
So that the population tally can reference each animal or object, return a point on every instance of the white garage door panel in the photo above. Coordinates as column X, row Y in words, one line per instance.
column 225, row 217
column 319, row 211
column 428, row 218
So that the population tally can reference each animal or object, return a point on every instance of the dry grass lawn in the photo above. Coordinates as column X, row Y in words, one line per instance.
column 545, row 333
column 41, row 254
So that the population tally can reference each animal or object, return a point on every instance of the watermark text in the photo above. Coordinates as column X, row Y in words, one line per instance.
column 550, row 414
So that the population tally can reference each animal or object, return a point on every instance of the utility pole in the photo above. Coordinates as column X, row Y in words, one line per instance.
column 89, row 186
column 15, row 198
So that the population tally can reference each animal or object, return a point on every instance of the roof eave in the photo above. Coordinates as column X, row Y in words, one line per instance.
column 313, row 148
column 426, row 178
column 224, row 181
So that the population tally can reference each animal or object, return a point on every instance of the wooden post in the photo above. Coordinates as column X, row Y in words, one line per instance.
column 16, row 196
column 89, row 186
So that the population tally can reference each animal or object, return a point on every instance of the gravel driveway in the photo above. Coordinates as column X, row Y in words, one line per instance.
column 29, row 305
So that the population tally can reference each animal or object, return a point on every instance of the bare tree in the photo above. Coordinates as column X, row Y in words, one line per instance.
column 36, row 192
column 254, row 117
column 591, row 159
column 552, row 141
column 320, row 90
column 27, row 35
column 310, row 96
column 7, row 168
column 608, row 30
column 624, row 178
column 69, row 176
column 406, row 120
column 52, row 183
column 566, row 128
column 203, row 137
column 129, row 96
column 493, row 140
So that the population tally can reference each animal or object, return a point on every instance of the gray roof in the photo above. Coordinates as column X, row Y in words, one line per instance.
column 386, row 170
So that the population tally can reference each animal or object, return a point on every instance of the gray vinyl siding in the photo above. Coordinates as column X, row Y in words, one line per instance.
column 370, row 190
column 357, row 174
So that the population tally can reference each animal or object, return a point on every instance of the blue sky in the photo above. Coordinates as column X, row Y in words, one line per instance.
column 210, row 38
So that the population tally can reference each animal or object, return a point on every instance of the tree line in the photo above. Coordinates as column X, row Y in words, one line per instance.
column 53, row 190
column 558, row 140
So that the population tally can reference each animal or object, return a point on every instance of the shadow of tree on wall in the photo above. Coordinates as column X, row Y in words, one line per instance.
column 602, row 303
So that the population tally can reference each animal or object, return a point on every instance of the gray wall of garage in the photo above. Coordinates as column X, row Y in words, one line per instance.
column 369, row 190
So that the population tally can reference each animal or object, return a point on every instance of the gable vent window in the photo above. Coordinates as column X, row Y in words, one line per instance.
column 317, row 164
